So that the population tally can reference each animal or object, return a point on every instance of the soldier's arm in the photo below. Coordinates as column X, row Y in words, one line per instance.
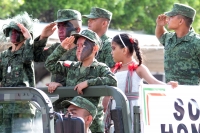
column 58, row 78
column 198, row 56
column 106, row 78
column 160, row 23
column 52, row 64
column 38, row 46
column 107, row 55
column 41, row 40
column 1, row 68
column 41, row 53
column 40, row 43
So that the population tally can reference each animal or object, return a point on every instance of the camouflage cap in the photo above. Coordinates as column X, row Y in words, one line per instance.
column 99, row 13
column 90, row 35
column 181, row 9
column 81, row 103
column 12, row 25
column 68, row 14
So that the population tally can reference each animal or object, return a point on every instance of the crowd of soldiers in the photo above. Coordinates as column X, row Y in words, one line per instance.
column 90, row 58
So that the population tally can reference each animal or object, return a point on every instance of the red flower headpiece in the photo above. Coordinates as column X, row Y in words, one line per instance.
column 131, row 40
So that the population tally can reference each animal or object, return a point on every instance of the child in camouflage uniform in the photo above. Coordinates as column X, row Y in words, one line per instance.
column 86, row 72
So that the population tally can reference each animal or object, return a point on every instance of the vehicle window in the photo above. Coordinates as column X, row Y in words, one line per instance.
column 20, row 117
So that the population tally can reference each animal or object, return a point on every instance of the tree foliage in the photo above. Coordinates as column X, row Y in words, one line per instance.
column 136, row 15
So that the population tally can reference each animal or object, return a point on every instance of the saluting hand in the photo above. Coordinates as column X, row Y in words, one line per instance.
column 48, row 31
column 68, row 42
column 161, row 20
column 79, row 87
column 24, row 31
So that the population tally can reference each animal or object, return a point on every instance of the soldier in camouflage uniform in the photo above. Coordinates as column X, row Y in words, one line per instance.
column 16, row 70
column 68, row 22
column 98, row 21
column 81, row 107
column 86, row 72
column 182, row 47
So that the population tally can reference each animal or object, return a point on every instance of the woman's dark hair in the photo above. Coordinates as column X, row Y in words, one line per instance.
column 131, row 43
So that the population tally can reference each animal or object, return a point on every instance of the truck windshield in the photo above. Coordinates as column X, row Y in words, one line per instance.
column 20, row 117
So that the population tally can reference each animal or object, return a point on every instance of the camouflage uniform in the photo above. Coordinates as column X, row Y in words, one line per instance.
column 81, row 103
column 104, row 54
column 96, row 74
column 71, row 55
column 62, row 15
column 16, row 70
column 21, row 63
column 182, row 55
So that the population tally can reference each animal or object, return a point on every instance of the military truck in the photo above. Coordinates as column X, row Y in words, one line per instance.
column 44, row 120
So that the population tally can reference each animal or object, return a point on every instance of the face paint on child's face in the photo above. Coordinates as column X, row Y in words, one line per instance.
column 14, row 36
column 65, row 29
column 84, row 48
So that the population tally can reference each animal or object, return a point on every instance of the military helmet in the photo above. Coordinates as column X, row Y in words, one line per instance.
column 22, row 18
column 8, row 28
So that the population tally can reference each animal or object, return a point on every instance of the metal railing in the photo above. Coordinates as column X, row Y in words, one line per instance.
column 45, row 102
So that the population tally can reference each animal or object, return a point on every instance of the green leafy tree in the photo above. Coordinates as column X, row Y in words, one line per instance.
column 8, row 7
column 136, row 15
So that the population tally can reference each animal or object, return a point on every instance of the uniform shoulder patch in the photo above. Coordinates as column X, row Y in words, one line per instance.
column 67, row 63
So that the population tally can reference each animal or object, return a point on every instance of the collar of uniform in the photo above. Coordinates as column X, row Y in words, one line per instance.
column 15, row 52
column 94, row 64
column 104, row 37
column 189, row 35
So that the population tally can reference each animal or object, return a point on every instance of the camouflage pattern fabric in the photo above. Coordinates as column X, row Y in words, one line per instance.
column 90, row 35
column 21, row 74
column 68, row 14
column 104, row 55
column 42, row 56
column 12, row 115
column 71, row 55
column 83, row 103
column 21, row 63
column 31, row 114
column 181, row 9
column 99, row 13
column 182, row 57
column 97, row 74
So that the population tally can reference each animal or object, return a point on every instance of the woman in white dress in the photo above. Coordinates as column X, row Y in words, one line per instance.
column 128, row 71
